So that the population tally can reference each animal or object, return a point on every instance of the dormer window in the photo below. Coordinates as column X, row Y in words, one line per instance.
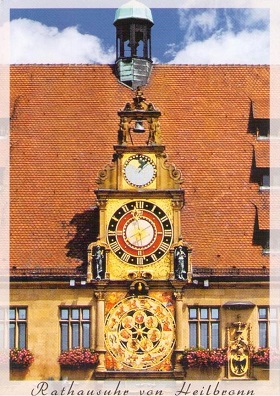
column 259, row 121
column 262, row 127
column 260, row 171
column 261, row 236
column 265, row 181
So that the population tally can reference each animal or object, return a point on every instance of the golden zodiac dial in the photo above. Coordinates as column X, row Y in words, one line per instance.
column 139, row 332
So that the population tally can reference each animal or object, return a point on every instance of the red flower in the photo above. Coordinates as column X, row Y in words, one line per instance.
column 262, row 357
column 78, row 357
column 20, row 358
column 200, row 358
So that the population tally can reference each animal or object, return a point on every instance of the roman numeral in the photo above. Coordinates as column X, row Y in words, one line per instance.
column 115, row 246
column 140, row 260
column 114, row 233
column 164, row 246
column 125, row 257
column 154, row 257
column 168, row 233
column 164, row 218
column 139, row 205
column 125, row 208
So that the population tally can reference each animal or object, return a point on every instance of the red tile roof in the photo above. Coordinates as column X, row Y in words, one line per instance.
column 263, row 219
column 262, row 154
column 260, row 107
column 64, row 124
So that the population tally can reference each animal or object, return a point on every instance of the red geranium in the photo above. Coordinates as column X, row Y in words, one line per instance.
column 202, row 358
column 262, row 357
column 20, row 358
column 78, row 358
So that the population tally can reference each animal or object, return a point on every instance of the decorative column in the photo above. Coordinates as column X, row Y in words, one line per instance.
column 177, row 207
column 100, row 329
column 102, row 202
column 179, row 348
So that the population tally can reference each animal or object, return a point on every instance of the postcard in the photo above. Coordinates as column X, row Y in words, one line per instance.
column 139, row 198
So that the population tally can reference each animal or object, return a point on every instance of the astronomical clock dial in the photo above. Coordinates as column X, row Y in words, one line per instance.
column 139, row 233
column 139, row 332
column 139, row 170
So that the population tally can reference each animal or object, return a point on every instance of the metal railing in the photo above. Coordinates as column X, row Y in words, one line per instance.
column 49, row 271
column 233, row 271
column 197, row 271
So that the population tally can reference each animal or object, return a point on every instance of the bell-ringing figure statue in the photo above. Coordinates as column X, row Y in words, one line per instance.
column 180, row 263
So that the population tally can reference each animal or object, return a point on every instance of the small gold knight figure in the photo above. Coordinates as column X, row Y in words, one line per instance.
column 123, row 131
column 154, row 132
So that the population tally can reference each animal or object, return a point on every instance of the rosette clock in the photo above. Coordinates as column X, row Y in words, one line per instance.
column 139, row 333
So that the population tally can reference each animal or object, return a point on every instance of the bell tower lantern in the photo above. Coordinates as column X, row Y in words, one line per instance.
column 133, row 22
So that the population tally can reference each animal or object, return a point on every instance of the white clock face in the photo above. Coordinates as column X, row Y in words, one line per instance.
column 139, row 170
column 140, row 233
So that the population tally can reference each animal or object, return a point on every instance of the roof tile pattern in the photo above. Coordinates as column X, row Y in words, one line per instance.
column 262, row 154
column 261, row 107
column 263, row 211
column 64, row 124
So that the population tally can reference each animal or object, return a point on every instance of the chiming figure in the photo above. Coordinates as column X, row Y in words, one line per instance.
column 180, row 263
column 98, row 261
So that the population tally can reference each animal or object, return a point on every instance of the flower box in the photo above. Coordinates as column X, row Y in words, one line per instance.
column 20, row 358
column 78, row 358
column 265, row 357
column 261, row 358
column 204, row 358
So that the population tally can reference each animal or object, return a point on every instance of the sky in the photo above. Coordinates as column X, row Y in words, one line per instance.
column 179, row 36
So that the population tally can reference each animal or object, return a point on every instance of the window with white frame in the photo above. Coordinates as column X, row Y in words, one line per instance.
column 75, row 327
column 265, row 181
column 268, row 327
column 18, row 327
column 204, row 327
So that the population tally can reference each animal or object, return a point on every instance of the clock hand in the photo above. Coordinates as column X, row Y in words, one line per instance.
column 137, row 241
column 142, row 235
column 136, row 214
column 140, row 168
column 148, row 226
column 142, row 161
column 136, row 234
column 142, row 164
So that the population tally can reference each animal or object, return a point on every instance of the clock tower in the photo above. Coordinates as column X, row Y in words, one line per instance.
column 140, row 260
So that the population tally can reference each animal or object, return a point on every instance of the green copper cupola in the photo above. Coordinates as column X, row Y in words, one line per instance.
column 133, row 22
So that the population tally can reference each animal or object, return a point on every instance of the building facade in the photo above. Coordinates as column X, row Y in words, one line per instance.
column 140, row 214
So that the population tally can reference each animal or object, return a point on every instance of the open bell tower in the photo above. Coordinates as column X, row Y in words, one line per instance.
column 133, row 23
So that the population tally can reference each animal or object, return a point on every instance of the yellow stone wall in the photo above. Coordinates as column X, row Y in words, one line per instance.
column 43, row 324
column 217, row 297
column 43, row 316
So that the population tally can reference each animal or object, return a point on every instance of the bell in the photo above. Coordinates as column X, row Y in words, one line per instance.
column 139, row 127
